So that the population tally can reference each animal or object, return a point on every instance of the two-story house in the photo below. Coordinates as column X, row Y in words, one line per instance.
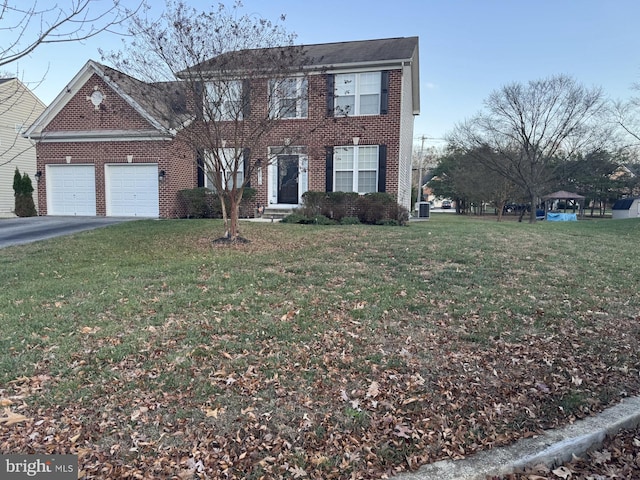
column 19, row 107
column 110, row 145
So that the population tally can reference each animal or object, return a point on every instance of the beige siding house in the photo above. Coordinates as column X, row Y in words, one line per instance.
column 19, row 108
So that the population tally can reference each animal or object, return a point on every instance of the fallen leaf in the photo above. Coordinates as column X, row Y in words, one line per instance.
column 213, row 412
column 562, row 472
column 11, row 418
column 374, row 390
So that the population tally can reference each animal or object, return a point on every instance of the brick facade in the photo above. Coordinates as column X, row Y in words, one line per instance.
column 113, row 128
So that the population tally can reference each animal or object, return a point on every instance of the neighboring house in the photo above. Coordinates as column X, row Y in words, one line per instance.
column 626, row 208
column 19, row 107
column 108, row 145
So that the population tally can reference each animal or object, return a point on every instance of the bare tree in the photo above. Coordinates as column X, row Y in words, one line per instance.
column 626, row 116
column 223, row 60
column 26, row 25
column 525, row 129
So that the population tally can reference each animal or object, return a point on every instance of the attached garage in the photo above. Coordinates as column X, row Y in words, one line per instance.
column 132, row 190
column 71, row 190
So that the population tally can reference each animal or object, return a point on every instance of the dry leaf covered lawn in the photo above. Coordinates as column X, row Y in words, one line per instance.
column 317, row 352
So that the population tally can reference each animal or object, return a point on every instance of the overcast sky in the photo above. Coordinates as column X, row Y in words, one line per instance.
column 468, row 48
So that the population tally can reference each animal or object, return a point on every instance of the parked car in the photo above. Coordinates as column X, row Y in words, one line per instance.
column 446, row 204
column 516, row 207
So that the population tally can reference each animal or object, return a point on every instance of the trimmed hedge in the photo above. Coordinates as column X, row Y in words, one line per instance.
column 349, row 208
column 204, row 203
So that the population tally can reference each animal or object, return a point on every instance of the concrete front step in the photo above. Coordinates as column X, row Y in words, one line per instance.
column 276, row 213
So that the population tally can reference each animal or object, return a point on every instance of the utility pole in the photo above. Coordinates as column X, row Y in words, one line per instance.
column 419, row 196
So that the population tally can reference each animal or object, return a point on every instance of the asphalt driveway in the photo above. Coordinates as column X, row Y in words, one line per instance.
column 17, row 231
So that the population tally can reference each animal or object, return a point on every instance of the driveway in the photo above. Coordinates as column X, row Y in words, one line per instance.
column 17, row 231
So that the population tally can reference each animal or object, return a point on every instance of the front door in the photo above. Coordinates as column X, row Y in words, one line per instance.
column 288, row 171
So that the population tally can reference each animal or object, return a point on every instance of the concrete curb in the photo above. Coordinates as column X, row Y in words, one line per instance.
column 552, row 448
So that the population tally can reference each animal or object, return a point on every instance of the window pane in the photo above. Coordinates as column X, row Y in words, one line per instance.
column 345, row 105
column 370, row 104
column 367, row 182
column 368, row 157
column 343, row 158
column 288, row 108
column 369, row 83
column 345, row 84
column 223, row 100
column 344, row 182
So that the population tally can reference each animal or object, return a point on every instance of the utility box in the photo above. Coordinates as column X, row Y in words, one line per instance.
column 423, row 210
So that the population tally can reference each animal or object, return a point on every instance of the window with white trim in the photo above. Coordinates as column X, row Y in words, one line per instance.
column 288, row 98
column 355, row 168
column 357, row 93
column 223, row 100
column 231, row 160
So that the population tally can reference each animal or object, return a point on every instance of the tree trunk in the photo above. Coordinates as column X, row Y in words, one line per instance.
column 500, row 210
column 532, row 212
column 225, row 216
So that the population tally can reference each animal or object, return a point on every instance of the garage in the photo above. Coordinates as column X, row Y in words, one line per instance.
column 132, row 190
column 71, row 190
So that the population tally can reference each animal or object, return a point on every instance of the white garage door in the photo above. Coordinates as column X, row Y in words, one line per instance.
column 71, row 190
column 132, row 190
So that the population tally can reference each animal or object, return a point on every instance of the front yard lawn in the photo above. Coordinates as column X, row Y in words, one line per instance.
column 313, row 351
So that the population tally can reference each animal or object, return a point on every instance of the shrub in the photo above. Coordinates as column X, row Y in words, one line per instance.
column 338, row 205
column 295, row 218
column 374, row 207
column 23, row 192
column 202, row 202
column 195, row 202
column 350, row 221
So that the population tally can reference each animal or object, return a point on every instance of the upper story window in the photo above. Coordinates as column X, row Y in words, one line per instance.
column 288, row 98
column 225, row 100
column 357, row 93
column 356, row 168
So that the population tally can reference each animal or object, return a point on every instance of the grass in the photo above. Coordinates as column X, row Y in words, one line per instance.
column 325, row 349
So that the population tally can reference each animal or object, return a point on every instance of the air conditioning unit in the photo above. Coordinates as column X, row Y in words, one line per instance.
column 422, row 208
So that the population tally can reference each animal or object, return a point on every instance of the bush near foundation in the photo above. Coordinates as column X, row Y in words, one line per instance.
column 202, row 202
column 23, row 192
column 349, row 208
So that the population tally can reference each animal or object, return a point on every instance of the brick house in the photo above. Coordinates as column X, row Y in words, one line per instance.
column 109, row 146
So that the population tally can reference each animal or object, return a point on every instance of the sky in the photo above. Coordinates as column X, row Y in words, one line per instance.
column 468, row 48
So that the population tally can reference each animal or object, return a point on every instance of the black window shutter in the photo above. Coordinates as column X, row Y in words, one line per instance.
column 329, row 172
column 200, row 172
column 384, row 92
column 382, row 168
column 246, row 166
column 331, row 85
column 246, row 99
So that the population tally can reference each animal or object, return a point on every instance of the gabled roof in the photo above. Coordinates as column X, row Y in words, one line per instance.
column 156, row 103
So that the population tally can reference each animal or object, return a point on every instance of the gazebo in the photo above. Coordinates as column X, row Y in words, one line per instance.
column 578, row 200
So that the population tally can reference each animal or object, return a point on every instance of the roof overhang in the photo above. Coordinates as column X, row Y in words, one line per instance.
column 101, row 136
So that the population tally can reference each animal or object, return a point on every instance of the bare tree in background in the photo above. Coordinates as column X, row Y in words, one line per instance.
column 626, row 115
column 239, row 75
column 25, row 25
column 525, row 129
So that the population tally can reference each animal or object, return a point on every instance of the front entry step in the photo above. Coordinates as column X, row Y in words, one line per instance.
column 276, row 213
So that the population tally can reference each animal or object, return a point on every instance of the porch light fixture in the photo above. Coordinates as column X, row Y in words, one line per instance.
column 162, row 175
column 356, row 140
column 38, row 175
